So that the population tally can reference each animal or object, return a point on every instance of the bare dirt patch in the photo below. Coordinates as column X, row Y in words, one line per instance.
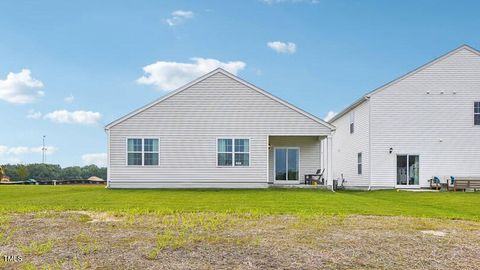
column 436, row 233
column 86, row 240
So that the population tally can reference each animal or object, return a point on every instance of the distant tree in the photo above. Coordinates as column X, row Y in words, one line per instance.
column 103, row 173
column 22, row 173
column 72, row 173
column 39, row 171
column 90, row 170
column 11, row 171
column 44, row 171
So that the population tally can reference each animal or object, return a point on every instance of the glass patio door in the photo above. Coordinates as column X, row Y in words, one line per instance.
column 287, row 164
column 408, row 170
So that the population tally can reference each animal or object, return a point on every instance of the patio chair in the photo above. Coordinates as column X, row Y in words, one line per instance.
column 315, row 178
column 435, row 183
column 451, row 183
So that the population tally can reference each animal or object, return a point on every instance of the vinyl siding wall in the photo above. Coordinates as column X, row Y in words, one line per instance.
column 188, row 125
column 438, row 127
column 346, row 147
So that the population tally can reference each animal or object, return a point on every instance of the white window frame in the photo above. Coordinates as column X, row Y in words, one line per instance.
column 286, row 181
column 351, row 126
column 233, row 152
column 360, row 163
column 408, row 173
column 142, row 152
column 475, row 113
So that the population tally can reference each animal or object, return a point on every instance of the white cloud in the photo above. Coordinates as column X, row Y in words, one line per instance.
column 171, row 75
column 13, row 154
column 69, row 99
column 17, row 150
column 179, row 16
column 282, row 47
column 74, row 117
column 99, row 159
column 183, row 13
column 330, row 115
column 32, row 114
column 20, row 88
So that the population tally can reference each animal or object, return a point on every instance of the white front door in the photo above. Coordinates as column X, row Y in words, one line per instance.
column 287, row 167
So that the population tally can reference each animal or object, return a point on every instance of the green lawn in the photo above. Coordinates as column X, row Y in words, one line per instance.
column 451, row 205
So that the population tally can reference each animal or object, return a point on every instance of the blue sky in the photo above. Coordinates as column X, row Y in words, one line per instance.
column 67, row 68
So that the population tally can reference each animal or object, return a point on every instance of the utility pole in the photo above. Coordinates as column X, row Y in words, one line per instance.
column 44, row 150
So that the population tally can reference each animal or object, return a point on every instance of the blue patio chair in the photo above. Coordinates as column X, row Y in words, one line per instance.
column 435, row 183
column 451, row 183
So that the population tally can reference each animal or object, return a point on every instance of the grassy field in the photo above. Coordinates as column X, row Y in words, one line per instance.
column 457, row 205
column 90, row 227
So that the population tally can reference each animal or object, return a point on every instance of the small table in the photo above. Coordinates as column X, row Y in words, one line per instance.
column 443, row 186
column 309, row 179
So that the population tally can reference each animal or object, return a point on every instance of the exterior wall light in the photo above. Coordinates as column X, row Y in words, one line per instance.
column 390, row 150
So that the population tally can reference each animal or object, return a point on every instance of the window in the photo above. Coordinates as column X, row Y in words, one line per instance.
column 224, row 152
column 134, row 151
column 476, row 113
column 142, row 151
column 150, row 151
column 359, row 163
column 233, row 152
column 352, row 122
column 242, row 156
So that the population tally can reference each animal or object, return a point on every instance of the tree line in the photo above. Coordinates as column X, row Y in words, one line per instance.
column 40, row 171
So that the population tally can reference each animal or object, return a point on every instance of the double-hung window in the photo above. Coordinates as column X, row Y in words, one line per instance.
column 476, row 113
column 359, row 163
column 233, row 152
column 150, row 151
column 142, row 151
column 242, row 152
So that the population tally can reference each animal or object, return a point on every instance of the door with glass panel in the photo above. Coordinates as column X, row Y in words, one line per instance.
column 287, row 164
column 408, row 170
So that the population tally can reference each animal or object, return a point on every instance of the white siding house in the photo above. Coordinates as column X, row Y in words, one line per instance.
column 217, row 131
column 424, row 124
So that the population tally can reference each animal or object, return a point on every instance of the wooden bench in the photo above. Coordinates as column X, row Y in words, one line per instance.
column 463, row 183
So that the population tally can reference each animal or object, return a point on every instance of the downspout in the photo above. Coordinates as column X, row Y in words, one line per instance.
column 369, row 143
column 108, row 158
column 330, row 166
column 329, row 144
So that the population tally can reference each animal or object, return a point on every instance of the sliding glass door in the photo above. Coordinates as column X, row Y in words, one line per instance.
column 287, row 164
column 408, row 170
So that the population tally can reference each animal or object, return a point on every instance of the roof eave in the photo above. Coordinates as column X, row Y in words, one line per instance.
column 349, row 108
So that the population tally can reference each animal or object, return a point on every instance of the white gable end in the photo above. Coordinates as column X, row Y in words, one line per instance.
column 219, row 101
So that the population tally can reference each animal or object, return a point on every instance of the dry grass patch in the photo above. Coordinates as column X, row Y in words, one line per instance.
column 240, row 241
